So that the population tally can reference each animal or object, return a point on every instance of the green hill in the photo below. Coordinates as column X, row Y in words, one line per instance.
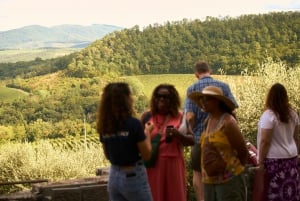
column 62, row 36
column 230, row 45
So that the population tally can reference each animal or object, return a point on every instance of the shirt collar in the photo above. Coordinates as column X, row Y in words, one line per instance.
column 206, row 77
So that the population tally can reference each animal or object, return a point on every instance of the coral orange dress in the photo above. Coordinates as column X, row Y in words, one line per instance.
column 167, row 178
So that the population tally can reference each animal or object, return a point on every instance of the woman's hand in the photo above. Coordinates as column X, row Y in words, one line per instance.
column 186, row 139
column 148, row 127
column 170, row 131
column 261, row 166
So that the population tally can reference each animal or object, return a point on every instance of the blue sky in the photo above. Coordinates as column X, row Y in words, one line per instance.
column 128, row 13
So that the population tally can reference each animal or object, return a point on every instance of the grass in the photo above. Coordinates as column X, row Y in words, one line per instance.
column 29, row 55
column 180, row 81
column 8, row 95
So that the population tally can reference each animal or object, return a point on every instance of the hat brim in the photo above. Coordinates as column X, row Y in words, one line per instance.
column 197, row 96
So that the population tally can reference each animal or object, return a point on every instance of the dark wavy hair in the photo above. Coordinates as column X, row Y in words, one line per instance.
column 278, row 101
column 174, row 99
column 226, row 109
column 114, row 107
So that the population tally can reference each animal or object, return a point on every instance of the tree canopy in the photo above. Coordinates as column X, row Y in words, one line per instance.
column 230, row 44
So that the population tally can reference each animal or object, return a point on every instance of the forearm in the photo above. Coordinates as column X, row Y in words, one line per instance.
column 241, row 149
column 264, row 147
column 190, row 117
column 145, row 148
column 236, row 140
column 296, row 138
column 186, row 139
column 148, row 140
column 297, row 144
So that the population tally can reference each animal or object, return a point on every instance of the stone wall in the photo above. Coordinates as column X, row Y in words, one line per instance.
column 85, row 189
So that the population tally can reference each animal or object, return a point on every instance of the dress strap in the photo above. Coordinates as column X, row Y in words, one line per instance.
column 164, row 124
column 220, row 123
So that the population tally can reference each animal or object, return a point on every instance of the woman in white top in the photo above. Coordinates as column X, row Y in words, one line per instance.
column 277, row 142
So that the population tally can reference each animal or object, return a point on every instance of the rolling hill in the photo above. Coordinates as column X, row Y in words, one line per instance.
column 62, row 36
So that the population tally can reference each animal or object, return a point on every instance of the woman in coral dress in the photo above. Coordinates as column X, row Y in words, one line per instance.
column 167, row 177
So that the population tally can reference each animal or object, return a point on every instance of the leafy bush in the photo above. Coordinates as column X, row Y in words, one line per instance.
column 47, row 159
column 251, row 90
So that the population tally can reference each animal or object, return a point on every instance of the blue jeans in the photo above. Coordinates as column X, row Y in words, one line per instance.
column 129, row 185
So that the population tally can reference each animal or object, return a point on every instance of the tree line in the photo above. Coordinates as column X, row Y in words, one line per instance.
column 230, row 44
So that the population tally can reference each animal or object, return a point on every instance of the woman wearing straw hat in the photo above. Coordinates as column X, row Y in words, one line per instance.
column 224, row 151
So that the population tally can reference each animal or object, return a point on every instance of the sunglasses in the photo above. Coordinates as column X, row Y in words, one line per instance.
column 163, row 96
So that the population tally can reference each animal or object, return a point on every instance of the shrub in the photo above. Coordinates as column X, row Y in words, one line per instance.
column 251, row 90
column 47, row 159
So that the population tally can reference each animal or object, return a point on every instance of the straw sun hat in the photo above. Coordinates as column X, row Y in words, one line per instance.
column 212, row 91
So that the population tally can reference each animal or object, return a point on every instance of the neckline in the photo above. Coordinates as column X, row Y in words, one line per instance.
column 161, row 125
column 218, row 124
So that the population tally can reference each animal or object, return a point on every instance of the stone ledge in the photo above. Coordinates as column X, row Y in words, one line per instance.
column 82, row 189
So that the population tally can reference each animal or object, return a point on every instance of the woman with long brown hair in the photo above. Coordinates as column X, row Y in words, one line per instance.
column 277, row 142
column 124, row 143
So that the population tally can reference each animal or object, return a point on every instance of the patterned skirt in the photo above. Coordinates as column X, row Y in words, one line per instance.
column 284, row 179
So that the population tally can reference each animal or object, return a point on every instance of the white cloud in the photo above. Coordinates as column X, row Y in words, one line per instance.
column 127, row 13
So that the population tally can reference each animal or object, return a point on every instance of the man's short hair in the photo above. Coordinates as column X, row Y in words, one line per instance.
column 201, row 67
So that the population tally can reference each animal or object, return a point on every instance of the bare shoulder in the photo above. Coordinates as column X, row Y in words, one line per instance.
column 229, row 120
column 230, row 123
column 231, row 127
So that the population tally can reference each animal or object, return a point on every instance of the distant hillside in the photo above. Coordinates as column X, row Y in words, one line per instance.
column 62, row 36
column 17, row 55
column 230, row 45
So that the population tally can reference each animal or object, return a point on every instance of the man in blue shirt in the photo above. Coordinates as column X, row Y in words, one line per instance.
column 196, row 118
